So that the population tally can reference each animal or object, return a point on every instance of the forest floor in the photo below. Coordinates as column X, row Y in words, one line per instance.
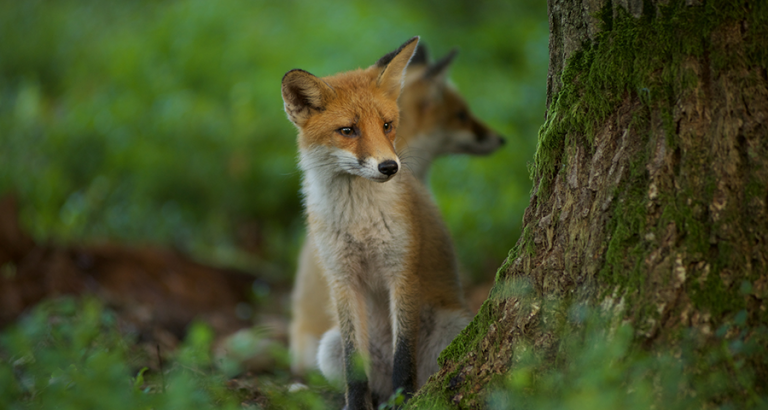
column 155, row 294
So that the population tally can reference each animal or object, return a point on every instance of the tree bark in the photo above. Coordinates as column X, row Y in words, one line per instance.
column 650, row 185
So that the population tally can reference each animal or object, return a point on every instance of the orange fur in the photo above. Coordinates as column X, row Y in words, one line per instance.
column 434, row 121
column 384, row 250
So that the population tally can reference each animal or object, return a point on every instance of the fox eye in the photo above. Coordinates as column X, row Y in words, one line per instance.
column 387, row 126
column 347, row 131
column 462, row 115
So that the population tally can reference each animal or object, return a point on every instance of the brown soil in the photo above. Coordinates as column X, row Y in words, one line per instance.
column 158, row 292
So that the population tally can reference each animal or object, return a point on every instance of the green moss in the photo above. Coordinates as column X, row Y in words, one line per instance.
column 511, row 257
column 626, row 247
column 435, row 395
column 757, row 47
column 503, row 288
column 755, row 189
column 606, row 16
column 429, row 401
column 470, row 337
column 640, row 57
column 635, row 60
column 714, row 297
column 529, row 246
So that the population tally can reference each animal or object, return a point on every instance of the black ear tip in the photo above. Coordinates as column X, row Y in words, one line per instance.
column 448, row 59
column 441, row 65
column 383, row 61
column 408, row 43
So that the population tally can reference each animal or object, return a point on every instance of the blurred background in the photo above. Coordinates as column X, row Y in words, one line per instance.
column 151, row 162
column 161, row 123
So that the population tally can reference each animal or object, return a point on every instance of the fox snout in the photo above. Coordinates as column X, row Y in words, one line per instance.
column 375, row 153
column 388, row 167
column 376, row 169
column 490, row 139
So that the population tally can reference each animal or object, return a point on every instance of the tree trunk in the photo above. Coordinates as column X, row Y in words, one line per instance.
column 650, row 187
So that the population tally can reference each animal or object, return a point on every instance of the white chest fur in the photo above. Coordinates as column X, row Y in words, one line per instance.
column 355, row 224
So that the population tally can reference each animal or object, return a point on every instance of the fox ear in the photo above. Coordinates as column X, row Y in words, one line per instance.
column 439, row 70
column 303, row 93
column 393, row 67
column 421, row 56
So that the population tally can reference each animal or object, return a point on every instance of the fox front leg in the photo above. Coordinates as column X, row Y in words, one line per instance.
column 405, row 320
column 358, row 393
column 351, row 311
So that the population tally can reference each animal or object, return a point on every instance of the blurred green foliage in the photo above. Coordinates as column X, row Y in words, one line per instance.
column 576, row 355
column 599, row 365
column 69, row 354
column 162, row 122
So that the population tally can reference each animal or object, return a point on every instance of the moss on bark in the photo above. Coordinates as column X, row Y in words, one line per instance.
column 650, row 185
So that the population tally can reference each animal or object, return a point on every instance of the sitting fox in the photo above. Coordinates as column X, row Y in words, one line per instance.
column 387, row 256
column 434, row 121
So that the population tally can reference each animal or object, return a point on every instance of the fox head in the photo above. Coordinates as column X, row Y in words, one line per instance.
column 348, row 122
column 435, row 117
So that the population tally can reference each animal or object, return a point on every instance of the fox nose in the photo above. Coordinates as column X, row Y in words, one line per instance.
column 502, row 141
column 388, row 167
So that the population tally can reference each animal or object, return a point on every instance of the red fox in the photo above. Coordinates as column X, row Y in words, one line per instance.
column 385, row 252
column 434, row 121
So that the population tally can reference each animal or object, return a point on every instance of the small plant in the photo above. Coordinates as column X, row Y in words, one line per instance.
column 69, row 354
column 601, row 366
column 395, row 401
